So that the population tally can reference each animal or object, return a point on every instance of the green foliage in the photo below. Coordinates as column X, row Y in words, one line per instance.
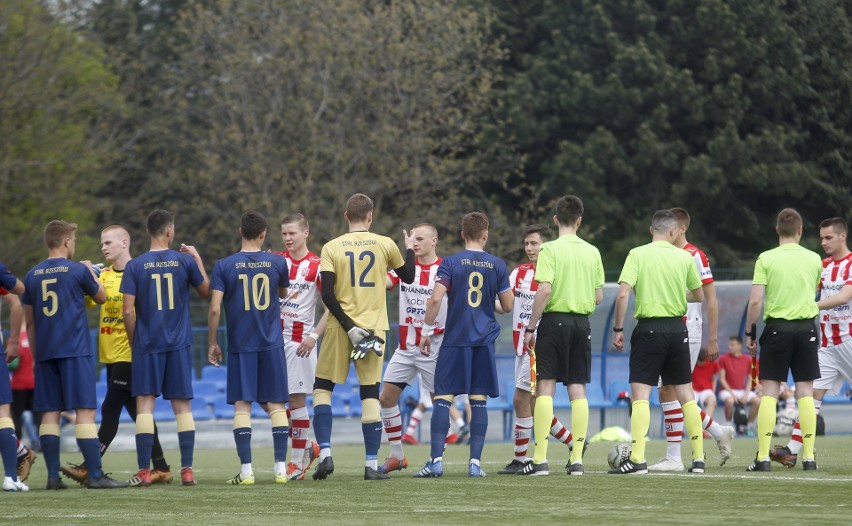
column 58, row 107
column 731, row 109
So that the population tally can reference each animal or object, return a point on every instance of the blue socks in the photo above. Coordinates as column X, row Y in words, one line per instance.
column 440, row 426
column 478, row 427
column 50, row 448
column 280, row 437
column 186, row 441
column 91, row 449
column 144, row 444
column 9, row 450
column 322, row 425
column 242, row 437
column 372, row 438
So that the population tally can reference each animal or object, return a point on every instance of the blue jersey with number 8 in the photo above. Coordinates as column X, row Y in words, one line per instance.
column 56, row 290
column 473, row 280
column 160, row 280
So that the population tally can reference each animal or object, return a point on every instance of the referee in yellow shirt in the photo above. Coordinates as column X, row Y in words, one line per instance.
column 114, row 352
column 659, row 273
column 570, row 276
column 787, row 276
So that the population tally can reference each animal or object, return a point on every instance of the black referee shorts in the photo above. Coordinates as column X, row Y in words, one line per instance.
column 659, row 348
column 563, row 348
column 789, row 345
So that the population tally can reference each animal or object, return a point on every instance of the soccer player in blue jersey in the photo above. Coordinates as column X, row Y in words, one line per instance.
column 156, row 316
column 250, row 283
column 8, row 440
column 58, row 332
column 470, row 279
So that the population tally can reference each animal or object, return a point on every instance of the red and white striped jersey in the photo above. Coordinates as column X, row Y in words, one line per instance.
column 298, row 309
column 693, row 318
column 412, row 304
column 524, row 287
column 834, row 324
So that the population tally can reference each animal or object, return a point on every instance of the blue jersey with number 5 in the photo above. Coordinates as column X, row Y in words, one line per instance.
column 473, row 280
column 160, row 280
column 249, row 282
column 56, row 290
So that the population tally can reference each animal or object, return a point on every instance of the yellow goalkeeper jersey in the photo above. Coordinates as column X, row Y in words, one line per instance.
column 112, row 338
column 360, row 261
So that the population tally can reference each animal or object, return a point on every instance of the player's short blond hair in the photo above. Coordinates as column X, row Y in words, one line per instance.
column 57, row 231
column 682, row 216
column 298, row 218
column 120, row 228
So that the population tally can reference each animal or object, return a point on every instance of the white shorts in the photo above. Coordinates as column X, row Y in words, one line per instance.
column 835, row 366
column 300, row 371
column 522, row 373
column 425, row 395
column 462, row 399
column 724, row 394
column 694, row 349
column 405, row 364
column 702, row 396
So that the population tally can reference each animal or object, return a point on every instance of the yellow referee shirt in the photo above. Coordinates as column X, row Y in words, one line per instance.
column 112, row 339
column 360, row 261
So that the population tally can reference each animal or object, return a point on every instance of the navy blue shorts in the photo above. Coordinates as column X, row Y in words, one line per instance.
column 467, row 370
column 168, row 373
column 62, row 384
column 5, row 388
column 257, row 377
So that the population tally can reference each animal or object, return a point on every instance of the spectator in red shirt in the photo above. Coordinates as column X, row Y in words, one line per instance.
column 23, row 384
column 735, row 380
column 705, row 376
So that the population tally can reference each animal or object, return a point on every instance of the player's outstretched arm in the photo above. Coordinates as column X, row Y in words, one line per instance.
column 203, row 289
column 214, row 313
column 841, row 298
column 16, row 317
column 712, row 345
column 330, row 300
column 406, row 271
column 31, row 329
column 755, row 302
column 128, row 312
column 621, row 301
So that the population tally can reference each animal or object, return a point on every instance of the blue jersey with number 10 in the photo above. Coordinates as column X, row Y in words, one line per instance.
column 473, row 280
column 56, row 290
column 250, row 281
column 160, row 280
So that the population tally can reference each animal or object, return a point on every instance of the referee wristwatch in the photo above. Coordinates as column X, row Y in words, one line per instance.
column 618, row 329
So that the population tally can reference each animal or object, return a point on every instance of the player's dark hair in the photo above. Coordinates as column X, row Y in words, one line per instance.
column 839, row 224
column 736, row 339
column 568, row 209
column 159, row 221
column 252, row 224
column 663, row 221
column 296, row 218
column 702, row 354
column 474, row 226
column 538, row 228
column 57, row 231
column 681, row 215
column 788, row 223
column 357, row 207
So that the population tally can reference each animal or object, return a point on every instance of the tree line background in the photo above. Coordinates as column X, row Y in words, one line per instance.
column 732, row 109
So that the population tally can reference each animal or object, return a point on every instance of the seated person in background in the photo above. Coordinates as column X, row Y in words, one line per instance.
column 735, row 380
column 705, row 377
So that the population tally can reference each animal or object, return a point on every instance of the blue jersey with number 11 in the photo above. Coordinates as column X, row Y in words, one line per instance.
column 249, row 282
column 473, row 280
column 160, row 280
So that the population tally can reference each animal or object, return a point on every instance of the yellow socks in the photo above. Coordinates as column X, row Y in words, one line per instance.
column 541, row 426
column 766, row 425
column 579, row 426
column 639, row 423
column 692, row 420
column 807, row 421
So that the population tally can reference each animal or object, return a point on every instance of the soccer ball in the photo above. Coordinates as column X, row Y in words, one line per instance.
column 618, row 454
column 785, row 420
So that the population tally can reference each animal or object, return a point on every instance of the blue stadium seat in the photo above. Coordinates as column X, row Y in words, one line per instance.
column 616, row 387
column 221, row 408
column 163, row 410
column 102, row 376
column 560, row 397
column 338, row 404
column 200, row 409
column 217, row 375
column 504, row 404
column 595, row 396
column 206, row 390
column 258, row 412
column 654, row 399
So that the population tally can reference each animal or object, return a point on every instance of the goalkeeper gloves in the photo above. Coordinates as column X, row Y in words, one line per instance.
column 370, row 343
column 357, row 334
